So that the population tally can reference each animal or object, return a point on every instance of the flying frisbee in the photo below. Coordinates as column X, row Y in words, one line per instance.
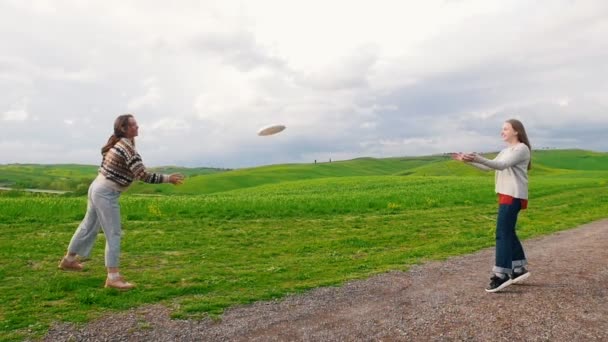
column 270, row 130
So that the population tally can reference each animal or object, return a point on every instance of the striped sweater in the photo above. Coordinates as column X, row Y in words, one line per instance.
column 122, row 165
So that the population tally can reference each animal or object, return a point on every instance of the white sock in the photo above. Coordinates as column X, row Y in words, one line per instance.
column 518, row 269
column 500, row 275
column 70, row 258
column 113, row 276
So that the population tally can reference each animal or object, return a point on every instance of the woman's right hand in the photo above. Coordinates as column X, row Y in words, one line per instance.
column 176, row 178
column 464, row 157
column 458, row 156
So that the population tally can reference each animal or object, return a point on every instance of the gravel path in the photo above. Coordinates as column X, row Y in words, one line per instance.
column 565, row 299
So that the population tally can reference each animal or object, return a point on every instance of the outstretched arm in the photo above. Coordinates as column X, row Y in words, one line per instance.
column 139, row 171
column 517, row 155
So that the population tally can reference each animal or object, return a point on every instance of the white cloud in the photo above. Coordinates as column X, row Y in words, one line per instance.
column 17, row 112
column 170, row 124
column 47, row 152
column 349, row 79
column 563, row 102
column 15, row 115
column 239, row 49
column 151, row 96
column 74, row 76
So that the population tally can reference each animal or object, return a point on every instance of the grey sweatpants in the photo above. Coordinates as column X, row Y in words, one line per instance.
column 103, row 211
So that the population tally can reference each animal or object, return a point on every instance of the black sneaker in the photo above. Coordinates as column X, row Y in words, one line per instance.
column 497, row 283
column 518, row 277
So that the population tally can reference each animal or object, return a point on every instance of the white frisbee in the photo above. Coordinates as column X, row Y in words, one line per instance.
column 270, row 130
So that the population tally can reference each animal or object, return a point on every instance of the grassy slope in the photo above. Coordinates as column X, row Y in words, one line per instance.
column 572, row 159
column 272, row 174
column 70, row 177
column 57, row 177
column 205, row 180
column 544, row 163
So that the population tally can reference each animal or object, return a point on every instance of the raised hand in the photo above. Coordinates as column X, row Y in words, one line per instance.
column 176, row 178
column 464, row 157
column 468, row 157
column 458, row 156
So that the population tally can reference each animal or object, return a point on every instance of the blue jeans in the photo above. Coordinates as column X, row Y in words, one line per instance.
column 509, row 251
column 103, row 212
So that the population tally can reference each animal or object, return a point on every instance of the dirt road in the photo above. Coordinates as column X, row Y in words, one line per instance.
column 565, row 299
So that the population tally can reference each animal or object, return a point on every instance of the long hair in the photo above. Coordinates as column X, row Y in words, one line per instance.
column 121, row 125
column 521, row 136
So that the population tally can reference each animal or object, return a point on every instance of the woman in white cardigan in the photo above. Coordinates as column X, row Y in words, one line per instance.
column 511, row 165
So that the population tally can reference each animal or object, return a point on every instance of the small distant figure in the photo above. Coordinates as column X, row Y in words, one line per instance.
column 315, row 161
column 330, row 160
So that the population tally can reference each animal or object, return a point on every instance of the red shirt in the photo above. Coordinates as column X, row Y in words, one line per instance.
column 506, row 199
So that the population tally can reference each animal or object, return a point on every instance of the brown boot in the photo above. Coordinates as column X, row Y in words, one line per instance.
column 119, row 284
column 67, row 265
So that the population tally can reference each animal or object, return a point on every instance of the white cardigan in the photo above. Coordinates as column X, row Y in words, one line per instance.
column 511, row 166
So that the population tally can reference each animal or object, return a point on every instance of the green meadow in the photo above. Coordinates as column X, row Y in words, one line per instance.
column 233, row 237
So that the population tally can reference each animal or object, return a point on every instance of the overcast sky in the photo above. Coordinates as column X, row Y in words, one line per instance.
column 348, row 78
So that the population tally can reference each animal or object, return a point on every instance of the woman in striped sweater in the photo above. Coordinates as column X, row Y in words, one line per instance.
column 511, row 165
column 120, row 166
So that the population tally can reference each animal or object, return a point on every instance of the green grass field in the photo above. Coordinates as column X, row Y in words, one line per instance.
column 241, row 236
column 70, row 177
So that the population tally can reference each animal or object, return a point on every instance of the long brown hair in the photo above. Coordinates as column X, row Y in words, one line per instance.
column 521, row 136
column 121, row 125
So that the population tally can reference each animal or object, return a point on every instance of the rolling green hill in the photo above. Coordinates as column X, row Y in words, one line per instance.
column 250, row 177
column 71, row 177
column 406, row 166
column 208, row 180
column 572, row 159
column 56, row 177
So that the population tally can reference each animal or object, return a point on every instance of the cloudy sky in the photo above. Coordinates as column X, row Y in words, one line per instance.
column 349, row 79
